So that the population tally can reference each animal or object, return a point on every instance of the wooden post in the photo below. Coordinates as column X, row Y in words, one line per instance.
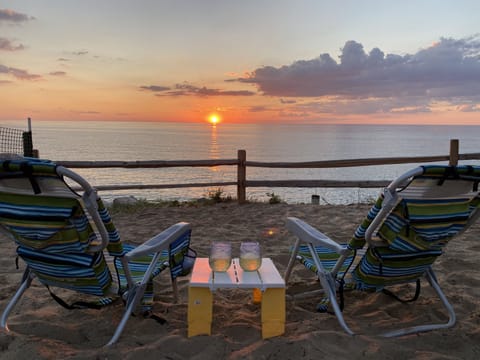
column 27, row 144
column 241, row 176
column 28, row 141
column 453, row 152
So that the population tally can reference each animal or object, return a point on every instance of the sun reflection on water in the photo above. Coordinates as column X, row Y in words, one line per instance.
column 214, row 152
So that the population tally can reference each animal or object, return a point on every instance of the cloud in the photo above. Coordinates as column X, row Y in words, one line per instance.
column 88, row 112
column 58, row 73
column 80, row 53
column 12, row 16
column 469, row 108
column 259, row 108
column 155, row 88
column 186, row 89
column 7, row 45
column 18, row 73
column 346, row 106
column 449, row 70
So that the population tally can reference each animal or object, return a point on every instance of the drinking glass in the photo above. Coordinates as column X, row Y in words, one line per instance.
column 220, row 256
column 250, row 258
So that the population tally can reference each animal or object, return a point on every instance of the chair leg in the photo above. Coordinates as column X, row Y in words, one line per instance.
column 329, row 286
column 430, row 275
column 175, row 290
column 292, row 261
column 134, row 297
column 24, row 285
column 135, row 294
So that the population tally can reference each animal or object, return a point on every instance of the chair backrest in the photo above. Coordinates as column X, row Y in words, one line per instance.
column 61, row 234
column 51, row 227
column 416, row 216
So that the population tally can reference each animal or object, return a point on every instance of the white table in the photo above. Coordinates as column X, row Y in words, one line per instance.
column 204, row 282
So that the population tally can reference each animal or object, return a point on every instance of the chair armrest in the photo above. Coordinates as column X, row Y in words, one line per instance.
column 160, row 241
column 308, row 233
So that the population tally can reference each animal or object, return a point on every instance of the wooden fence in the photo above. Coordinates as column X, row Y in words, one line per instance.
column 243, row 183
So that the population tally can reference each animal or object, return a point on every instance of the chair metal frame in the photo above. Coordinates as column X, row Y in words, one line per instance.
column 154, row 245
column 306, row 233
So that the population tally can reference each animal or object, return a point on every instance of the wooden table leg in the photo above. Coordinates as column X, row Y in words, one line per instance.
column 199, row 311
column 273, row 312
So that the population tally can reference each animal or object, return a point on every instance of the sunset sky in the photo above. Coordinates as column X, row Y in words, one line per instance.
column 297, row 61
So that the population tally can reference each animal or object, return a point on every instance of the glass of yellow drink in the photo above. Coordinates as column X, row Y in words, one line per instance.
column 220, row 256
column 250, row 258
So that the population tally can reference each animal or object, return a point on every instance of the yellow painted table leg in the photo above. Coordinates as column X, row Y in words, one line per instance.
column 199, row 311
column 273, row 312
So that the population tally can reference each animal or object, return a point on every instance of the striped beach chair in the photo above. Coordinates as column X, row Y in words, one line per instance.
column 68, row 240
column 403, row 234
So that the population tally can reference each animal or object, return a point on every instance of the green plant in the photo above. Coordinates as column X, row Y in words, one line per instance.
column 130, row 207
column 273, row 198
column 218, row 195
column 215, row 195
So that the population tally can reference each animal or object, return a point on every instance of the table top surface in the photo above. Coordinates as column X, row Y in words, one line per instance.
column 267, row 276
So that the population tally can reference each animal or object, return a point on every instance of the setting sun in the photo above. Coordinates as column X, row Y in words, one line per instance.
column 213, row 119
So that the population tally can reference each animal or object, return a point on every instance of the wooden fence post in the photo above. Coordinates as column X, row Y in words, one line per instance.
column 453, row 152
column 241, row 176
column 27, row 144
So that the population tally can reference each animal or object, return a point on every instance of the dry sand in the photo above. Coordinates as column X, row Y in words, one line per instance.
column 42, row 329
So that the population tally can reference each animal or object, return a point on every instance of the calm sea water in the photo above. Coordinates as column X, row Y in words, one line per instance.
column 130, row 141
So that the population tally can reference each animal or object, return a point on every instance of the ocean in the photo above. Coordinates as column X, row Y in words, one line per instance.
column 131, row 141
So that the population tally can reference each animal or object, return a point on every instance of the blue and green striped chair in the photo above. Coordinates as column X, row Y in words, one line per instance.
column 68, row 240
column 403, row 234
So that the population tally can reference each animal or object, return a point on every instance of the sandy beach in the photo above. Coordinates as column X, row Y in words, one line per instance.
column 40, row 328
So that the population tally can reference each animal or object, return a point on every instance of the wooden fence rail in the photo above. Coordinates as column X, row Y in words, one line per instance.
column 241, row 162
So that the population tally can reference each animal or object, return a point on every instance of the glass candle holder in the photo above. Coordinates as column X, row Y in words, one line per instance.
column 250, row 257
column 220, row 256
